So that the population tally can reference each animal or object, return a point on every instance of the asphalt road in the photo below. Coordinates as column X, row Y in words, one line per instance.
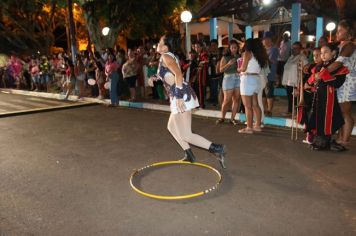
column 67, row 173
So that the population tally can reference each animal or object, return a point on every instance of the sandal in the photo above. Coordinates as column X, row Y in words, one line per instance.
column 337, row 147
column 343, row 143
column 246, row 131
column 257, row 128
column 220, row 121
column 233, row 122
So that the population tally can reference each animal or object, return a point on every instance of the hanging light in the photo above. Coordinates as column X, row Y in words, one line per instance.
column 267, row 2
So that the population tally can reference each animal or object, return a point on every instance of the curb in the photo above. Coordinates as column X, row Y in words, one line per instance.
column 274, row 121
column 38, row 110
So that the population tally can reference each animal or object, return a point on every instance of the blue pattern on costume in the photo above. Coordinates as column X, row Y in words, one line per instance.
column 172, row 90
column 180, row 92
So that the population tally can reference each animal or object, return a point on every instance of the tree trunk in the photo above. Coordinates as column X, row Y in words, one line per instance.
column 100, row 41
column 95, row 31
column 72, row 29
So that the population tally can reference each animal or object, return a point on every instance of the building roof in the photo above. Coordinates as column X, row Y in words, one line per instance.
column 254, row 11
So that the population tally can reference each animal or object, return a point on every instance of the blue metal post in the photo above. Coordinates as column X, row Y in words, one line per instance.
column 319, row 29
column 230, row 30
column 248, row 32
column 296, row 12
column 213, row 30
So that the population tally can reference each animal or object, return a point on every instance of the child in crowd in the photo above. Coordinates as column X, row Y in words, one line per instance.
column 308, row 95
column 326, row 117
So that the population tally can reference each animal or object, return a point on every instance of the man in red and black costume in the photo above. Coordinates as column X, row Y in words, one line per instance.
column 326, row 117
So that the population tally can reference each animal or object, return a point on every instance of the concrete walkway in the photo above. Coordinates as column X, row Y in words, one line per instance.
column 210, row 112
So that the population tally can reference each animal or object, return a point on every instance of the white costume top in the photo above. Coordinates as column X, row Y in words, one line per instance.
column 167, row 77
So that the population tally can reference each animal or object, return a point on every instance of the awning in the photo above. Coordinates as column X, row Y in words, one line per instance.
column 204, row 27
column 252, row 11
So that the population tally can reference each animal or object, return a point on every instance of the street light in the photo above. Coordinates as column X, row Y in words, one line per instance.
column 105, row 31
column 330, row 27
column 186, row 17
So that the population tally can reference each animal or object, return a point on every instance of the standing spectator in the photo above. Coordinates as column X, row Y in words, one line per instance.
column 254, row 59
column 190, row 70
column 120, row 56
column 62, row 70
column 80, row 75
column 15, row 67
column 35, row 73
column 203, row 61
column 26, row 74
column 70, row 80
column 231, row 83
column 89, row 65
column 123, row 89
column 152, row 66
column 346, row 94
column 212, row 75
column 283, row 55
column 290, row 77
column 200, row 39
column 141, row 60
column 268, row 92
column 55, row 63
column 129, row 72
column 112, row 75
column 100, row 74
column 45, row 73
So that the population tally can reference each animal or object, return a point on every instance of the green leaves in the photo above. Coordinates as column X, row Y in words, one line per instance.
column 35, row 19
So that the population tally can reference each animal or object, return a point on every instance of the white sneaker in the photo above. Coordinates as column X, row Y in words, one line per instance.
column 306, row 141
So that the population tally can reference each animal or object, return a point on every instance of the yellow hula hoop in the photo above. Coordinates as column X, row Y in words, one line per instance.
column 178, row 197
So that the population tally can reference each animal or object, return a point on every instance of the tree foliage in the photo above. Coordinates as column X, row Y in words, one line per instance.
column 27, row 26
column 132, row 18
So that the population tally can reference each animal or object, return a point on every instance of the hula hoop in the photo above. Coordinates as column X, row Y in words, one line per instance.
column 178, row 197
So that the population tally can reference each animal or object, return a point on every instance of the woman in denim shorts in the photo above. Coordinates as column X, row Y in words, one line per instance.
column 231, row 83
column 255, row 57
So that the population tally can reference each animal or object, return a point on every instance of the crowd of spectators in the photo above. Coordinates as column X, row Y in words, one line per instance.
column 213, row 72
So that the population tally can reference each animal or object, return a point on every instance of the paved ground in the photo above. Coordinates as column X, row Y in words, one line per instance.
column 12, row 104
column 66, row 173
